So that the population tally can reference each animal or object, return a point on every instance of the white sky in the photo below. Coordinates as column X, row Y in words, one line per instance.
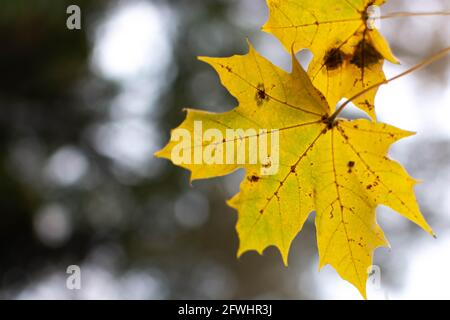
column 133, row 45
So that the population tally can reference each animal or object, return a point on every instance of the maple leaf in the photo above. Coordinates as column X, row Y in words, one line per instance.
column 348, row 54
column 339, row 170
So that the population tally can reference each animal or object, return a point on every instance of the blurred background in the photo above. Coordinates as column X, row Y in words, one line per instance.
column 82, row 111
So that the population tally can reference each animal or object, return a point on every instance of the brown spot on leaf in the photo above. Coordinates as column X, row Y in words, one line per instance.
column 334, row 59
column 350, row 165
column 365, row 55
column 261, row 95
column 253, row 178
column 267, row 165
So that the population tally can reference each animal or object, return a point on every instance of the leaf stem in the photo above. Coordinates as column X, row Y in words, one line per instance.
column 413, row 14
column 424, row 63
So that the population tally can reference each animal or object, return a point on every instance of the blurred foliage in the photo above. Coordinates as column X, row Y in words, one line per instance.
column 49, row 99
column 120, row 221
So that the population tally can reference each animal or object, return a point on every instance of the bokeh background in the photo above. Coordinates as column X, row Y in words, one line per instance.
column 81, row 113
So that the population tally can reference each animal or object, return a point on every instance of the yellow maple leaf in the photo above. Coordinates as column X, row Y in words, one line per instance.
column 338, row 169
column 348, row 52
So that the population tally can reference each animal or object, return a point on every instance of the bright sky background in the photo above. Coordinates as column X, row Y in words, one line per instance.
column 133, row 48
